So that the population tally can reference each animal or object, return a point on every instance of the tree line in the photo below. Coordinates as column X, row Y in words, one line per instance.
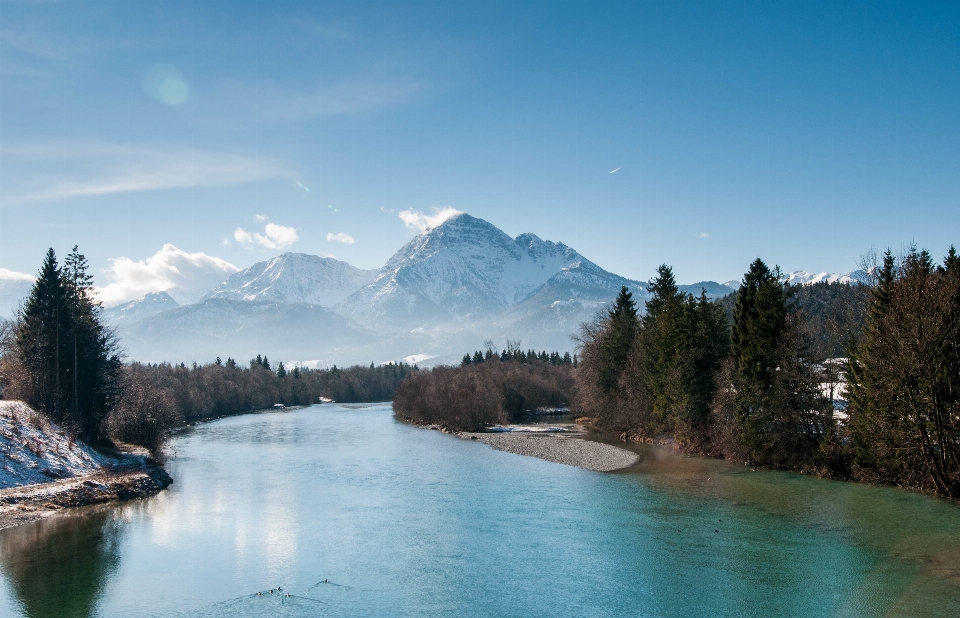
column 747, row 382
column 494, row 389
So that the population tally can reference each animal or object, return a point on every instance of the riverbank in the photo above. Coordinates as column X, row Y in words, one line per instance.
column 28, row 503
column 564, row 443
column 44, row 469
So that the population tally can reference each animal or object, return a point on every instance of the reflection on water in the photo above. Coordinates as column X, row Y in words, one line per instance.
column 57, row 567
column 353, row 514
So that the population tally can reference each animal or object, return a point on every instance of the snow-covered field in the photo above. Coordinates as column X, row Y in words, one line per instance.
column 34, row 450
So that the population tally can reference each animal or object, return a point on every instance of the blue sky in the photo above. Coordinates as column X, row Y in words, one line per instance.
column 803, row 133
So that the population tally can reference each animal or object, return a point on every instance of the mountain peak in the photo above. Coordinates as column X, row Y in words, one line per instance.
column 294, row 278
column 468, row 268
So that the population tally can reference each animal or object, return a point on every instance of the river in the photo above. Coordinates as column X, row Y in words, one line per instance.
column 354, row 514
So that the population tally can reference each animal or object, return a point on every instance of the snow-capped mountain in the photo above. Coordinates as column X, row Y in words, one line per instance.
column 294, row 278
column 711, row 288
column 135, row 310
column 802, row 277
column 467, row 269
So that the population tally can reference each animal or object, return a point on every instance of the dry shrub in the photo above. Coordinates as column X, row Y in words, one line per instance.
column 457, row 399
column 144, row 415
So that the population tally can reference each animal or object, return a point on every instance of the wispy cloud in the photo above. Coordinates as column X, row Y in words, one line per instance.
column 260, row 217
column 704, row 235
column 193, row 274
column 62, row 171
column 417, row 220
column 347, row 97
column 340, row 237
column 274, row 236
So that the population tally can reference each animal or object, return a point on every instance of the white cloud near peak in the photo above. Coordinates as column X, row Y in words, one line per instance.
column 341, row 238
column 193, row 274
column 10, row 275
column 274, row 236
column 417, row 220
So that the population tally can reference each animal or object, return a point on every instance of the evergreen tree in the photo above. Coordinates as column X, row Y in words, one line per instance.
column 781, row 414
column 281, row 370
column 617, row 340
column 71, row 363
column 466, row 360
column 44, row 345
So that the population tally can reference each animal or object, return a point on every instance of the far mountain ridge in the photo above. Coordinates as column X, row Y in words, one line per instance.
column 294, row 278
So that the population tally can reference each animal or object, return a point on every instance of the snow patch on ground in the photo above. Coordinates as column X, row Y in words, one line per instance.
column 34, row 450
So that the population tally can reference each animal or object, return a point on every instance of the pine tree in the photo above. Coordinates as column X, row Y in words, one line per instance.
column 281, row 370
column 42, row 340
column 617, row 340
column 70, row 358
column 780, row 410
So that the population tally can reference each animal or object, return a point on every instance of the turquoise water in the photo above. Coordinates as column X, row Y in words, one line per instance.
column 402, row 521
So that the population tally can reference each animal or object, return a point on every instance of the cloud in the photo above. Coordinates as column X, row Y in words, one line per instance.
column 347, row 97
column 704, row 235
column 192, row 274
column 274, row 236
column 341, row 238
column 417, row 220
column 261, row 217
column 49, row 171
column 10, row 275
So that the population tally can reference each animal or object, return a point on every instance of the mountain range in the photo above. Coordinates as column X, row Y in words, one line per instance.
column 454, row 288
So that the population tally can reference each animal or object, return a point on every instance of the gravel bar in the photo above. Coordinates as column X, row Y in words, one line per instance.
column 571, row 450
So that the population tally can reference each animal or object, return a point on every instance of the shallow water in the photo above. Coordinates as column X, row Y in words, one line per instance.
column 403, row 521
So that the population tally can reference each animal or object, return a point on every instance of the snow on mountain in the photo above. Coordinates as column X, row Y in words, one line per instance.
column 135, row 310
column 14, row 289
column 294, row 278
column 802, row 277
column 712, row 288
column 468, row 269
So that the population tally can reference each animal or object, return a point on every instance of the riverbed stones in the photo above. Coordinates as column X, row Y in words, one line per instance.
column 571, row 450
